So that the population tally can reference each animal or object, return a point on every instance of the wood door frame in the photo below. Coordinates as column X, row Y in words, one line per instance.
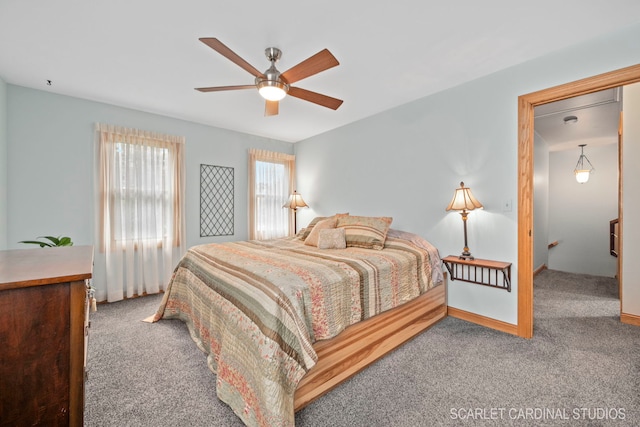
column 526, row 104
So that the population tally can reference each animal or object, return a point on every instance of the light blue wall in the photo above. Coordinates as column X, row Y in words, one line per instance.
column 52, row 165
column 3, row 164
column 579, row 214
column 406, row 162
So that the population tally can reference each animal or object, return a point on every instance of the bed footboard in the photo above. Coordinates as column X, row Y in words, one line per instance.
column 361, row 344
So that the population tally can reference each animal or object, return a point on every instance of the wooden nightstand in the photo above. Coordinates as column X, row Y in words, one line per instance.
column 496, row 274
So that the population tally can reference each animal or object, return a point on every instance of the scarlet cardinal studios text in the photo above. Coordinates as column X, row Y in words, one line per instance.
column 537, row 413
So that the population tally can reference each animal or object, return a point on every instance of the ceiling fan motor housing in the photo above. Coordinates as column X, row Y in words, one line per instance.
column 271, row 77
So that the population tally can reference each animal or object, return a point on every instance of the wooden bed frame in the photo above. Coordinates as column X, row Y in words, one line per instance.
column 361, row 344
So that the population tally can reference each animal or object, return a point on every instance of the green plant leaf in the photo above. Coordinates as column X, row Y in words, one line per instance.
column 54, row 240
column 36, row 242
column 65, row 241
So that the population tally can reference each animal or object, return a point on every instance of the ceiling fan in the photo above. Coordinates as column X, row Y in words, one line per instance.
column 274, row 85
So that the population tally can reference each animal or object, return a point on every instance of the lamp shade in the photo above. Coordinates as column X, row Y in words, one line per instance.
column 295, row 201
column 463, row 200
column 582, row 176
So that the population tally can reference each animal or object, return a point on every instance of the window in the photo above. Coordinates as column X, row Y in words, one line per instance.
column 142, row 208
column 141, row 173
column 271, row 182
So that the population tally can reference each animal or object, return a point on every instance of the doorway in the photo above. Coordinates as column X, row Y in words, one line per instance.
column 526, row 104
column 572, row 219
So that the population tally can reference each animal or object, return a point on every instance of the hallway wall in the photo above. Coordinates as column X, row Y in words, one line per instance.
column 579, row 214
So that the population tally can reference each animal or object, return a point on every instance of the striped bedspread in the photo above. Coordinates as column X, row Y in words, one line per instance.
column 256, row 307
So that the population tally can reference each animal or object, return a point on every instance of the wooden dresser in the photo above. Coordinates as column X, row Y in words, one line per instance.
column 43, row 332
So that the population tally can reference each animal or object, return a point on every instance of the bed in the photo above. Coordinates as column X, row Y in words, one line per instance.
column 284, row 321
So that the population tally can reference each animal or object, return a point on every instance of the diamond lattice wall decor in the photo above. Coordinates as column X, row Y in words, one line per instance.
column 216, row 201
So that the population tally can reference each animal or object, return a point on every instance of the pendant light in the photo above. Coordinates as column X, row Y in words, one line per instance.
column 581, row 171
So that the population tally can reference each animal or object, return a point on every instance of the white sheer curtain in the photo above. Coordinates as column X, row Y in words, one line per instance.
column 142, row 209
column 271, row 180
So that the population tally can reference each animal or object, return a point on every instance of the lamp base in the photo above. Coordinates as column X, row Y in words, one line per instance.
column 465, row 250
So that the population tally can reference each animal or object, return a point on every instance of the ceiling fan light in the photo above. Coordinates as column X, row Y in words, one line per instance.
column 272, row 93
column 272, row 90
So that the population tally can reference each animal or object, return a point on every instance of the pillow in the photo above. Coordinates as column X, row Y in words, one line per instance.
column 365, row 231
column 300, row 233
column 317, row 219
column 312, row 224
column 312, row 238
column 331, row 238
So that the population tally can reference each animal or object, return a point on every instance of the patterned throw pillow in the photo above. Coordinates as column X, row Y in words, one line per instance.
column 309, row 227
column 332, row 239
column 314, row 221
column 300, row 233
column 312, row 238
column 365, row 231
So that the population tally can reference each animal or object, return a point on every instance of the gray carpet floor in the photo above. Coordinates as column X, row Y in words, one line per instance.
column 581, row 368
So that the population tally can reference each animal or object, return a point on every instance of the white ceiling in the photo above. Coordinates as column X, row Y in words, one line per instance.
column 145, row 54
column 597, row 114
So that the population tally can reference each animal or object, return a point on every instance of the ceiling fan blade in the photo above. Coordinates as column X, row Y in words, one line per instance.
column 220, row 88
column 223, row 50
column 321, row 61
column 316, row 98
column 271, row 108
